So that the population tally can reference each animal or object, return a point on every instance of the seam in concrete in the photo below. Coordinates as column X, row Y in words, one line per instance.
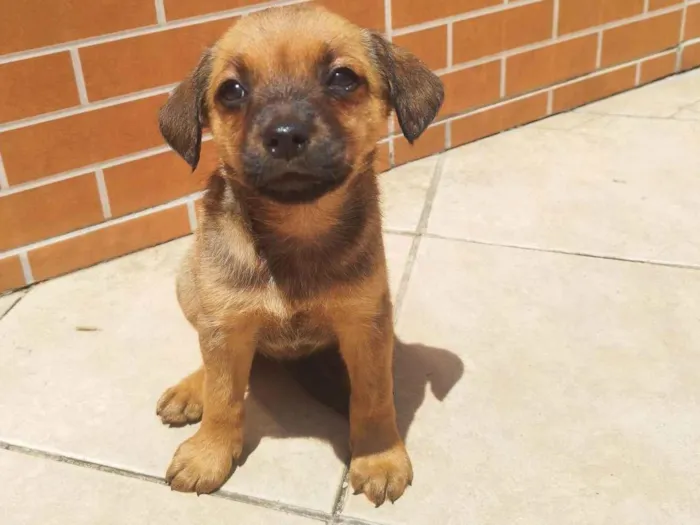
column 340, row 497
column 240, row 498
column 677, row 266
column 356, row 521
column 420, row 229
column 13, row 305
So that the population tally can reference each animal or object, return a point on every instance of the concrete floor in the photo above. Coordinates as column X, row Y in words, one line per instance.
column 547, row 290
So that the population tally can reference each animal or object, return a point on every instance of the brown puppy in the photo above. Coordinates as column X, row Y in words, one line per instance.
column 288, row 257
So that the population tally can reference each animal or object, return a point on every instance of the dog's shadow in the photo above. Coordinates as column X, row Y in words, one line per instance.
column 281, row 402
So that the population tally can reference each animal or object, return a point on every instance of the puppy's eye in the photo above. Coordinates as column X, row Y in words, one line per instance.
column 231, row 93
column 344, row 79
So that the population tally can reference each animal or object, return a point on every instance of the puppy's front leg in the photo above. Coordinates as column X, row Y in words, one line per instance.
column 380, row 466
column 203, row 462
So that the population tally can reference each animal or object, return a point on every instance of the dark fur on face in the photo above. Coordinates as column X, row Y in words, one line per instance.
column 320, row 168
column 288, row 257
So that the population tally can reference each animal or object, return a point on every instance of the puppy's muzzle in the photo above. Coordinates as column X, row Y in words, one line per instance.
column 293, row 155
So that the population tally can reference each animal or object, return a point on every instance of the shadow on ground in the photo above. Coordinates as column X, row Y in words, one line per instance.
column 281, row 400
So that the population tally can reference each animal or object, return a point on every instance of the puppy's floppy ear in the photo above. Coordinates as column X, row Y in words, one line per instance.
column 415, row 93
column 184, row 115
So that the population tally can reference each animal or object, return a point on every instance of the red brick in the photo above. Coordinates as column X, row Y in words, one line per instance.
column 593, row 88
column 156, row 180
column 189, row 8
column 575, row 15
column 86, row 138
column 551, row 64
column 690, row 57
column 37, row 85
column 28, row 24
column 40, row 213
column 410, row 12
column 365, row 13
column 490, row 34
column 146, row 61
column 692, row 22
column 431, row 142
column 658, row 67
column 639, row 39
column 471, row 87
column 660, row 4
column 429, row 45
column 109, row 242
column 11, row 274
column 494, row 120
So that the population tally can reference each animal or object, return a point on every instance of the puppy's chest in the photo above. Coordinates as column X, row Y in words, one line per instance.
column 295, row 335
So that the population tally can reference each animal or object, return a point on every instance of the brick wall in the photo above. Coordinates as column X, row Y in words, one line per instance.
column 84, row 173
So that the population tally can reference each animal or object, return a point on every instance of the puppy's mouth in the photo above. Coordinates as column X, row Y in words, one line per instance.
column 297, row 188
column 292, row 181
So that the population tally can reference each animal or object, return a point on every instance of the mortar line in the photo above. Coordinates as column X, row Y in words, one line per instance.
column 4, row 184
column 104, row 196
column 677, row 266
column 160, row 13
column 450, row 44
column 638, row 74
column 79, row 77
column 388, row 25
column 239, row 498
column 502, row 80
column 681, row 35
column 192, row 215
column 555, row 19
column 26, row 267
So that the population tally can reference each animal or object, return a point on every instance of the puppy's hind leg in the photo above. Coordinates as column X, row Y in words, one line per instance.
column 182, row 404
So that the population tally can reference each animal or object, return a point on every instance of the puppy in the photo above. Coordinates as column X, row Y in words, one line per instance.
column 288, row 258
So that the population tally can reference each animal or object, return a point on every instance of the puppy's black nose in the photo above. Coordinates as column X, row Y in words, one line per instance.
column 286, row 140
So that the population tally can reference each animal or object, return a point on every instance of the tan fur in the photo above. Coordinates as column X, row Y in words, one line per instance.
column 229, row 293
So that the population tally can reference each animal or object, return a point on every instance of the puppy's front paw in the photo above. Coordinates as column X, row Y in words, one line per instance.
column 382, row 475
column 202, row 464
column 181, row 404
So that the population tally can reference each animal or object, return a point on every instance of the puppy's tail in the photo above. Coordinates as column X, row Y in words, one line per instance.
column 324, row 377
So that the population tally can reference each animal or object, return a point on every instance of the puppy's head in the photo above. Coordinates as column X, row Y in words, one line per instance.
column 296, row 99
